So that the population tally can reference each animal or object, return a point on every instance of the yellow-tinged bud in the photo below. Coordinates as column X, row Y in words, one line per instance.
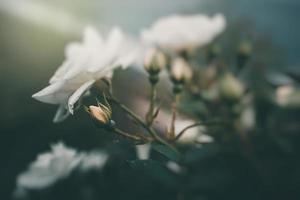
column 180, row 71
column 101, row 115
column 243, row 54
column 154, row 61
column 230, row 88
column 245, row 49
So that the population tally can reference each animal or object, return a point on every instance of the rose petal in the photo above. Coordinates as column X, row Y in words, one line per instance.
column 78, row 94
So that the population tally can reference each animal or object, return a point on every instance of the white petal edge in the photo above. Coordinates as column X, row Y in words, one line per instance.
column 51, row 93
column 78, row 94
column 61, row 114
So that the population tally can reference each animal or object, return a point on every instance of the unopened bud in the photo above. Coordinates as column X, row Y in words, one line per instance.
column 101, row 115
column 181, row 71
column 245, row 49
column 155, row 61
column 243, row 54
column 230, row 88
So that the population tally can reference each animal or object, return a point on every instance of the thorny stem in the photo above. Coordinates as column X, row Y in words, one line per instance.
column 174, row 113
column 194, row 125
column 144, row 125
column 150, row 114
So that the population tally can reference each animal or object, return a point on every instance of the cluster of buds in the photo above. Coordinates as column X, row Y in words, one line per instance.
column 180, row 73
column 101, row 115
column 154, row 62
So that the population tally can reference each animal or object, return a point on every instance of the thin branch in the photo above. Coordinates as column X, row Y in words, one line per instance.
column 173, row 119
column 127, row 135
column 150, row 114
column 141, row 122
column 195, row 125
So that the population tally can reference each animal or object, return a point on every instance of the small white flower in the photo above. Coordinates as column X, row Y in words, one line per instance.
column 288, row 96
column 49, row 168
column 184, row 32
column 143, row 151
column 86, row 62
column 174, row 167
column 283, row 93
column 203, row 138
column 93, row 160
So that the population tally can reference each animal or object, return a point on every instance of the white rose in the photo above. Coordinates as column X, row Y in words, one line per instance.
column 49, row 168
column 86, row 62
column 184, row 32
column 93, row 160
column 57, row 164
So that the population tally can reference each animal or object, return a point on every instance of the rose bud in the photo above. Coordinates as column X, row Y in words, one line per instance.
column 180, row 71
column 101, row 115
column 155, row 61
column 243, row 54
column 245, row 48
column 230, row 88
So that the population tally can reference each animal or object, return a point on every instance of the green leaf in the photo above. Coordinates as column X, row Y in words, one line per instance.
column 167, row 152
column 155, row 170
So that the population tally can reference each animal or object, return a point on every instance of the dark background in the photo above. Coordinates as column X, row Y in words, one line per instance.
column 30, row 52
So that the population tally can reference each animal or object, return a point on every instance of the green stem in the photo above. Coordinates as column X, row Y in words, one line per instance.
column 127, row 135
column 150, row 114
column 140, row 121
column 174, row 113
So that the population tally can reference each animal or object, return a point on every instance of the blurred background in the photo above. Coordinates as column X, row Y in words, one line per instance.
column 33, row 34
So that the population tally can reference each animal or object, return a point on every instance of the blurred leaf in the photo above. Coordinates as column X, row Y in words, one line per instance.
column 155, row 170
column 277, row 78
column 201, row 153
column 167, row 152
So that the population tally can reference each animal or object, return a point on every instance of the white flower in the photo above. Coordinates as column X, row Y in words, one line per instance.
column 283, row 93
column 93, row 160
column 288, row 96
column 86, row 62
column 143, row 151
column 174, row 167
column 49, row 168
column 184, row 32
